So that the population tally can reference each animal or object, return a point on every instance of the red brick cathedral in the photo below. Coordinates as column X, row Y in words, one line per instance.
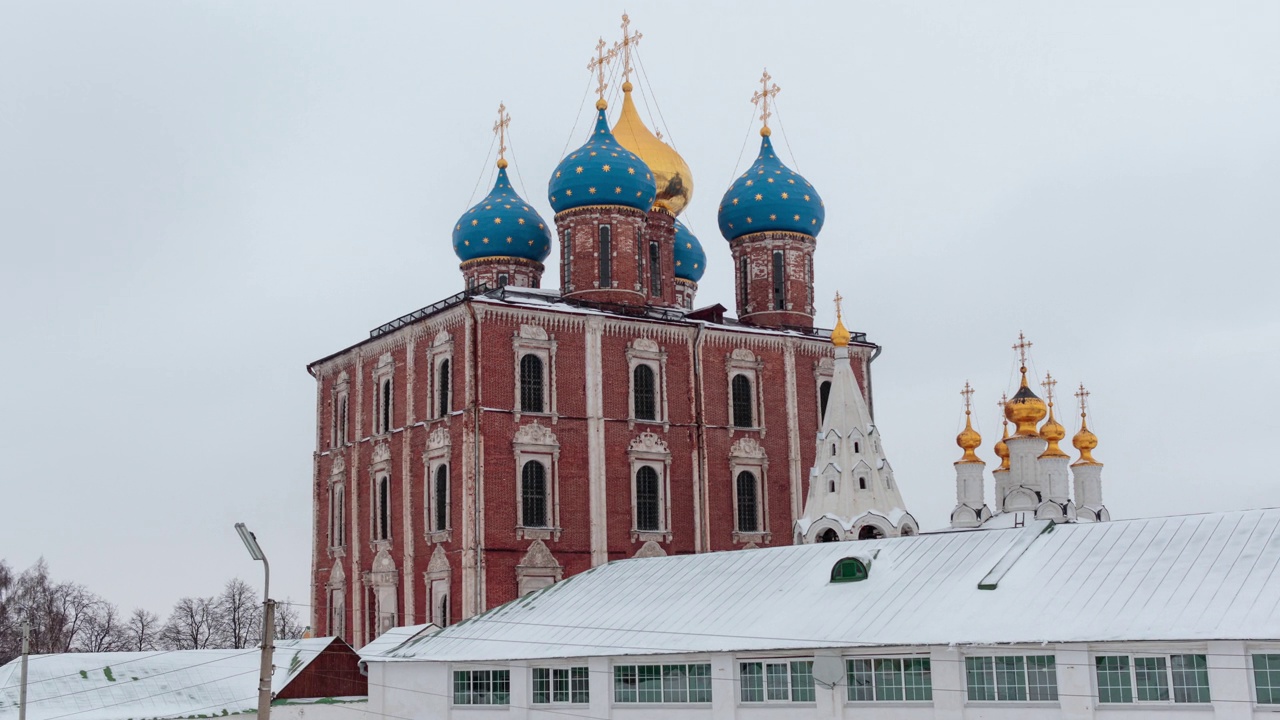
column 509, row 436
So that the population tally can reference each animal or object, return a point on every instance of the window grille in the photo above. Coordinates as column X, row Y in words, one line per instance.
column 442, row 498
column 742, row 401
column 385, row 416
column 337, row 516
column 567, row 250
column 784, row 680
column 779, row 282
column 644, row 393
column 748, row 505
column 533, row 494
column 889, row 679
column 531, row 384
column 743, row 277
column 561, row 685
column 1266, row 678
column 1015, row 678
column 481, row 687
column 655, row 270
column 1152, row 679
column 662, row 683
column 606, row 257
column 384, row 508
column 442, row 390
column 648, row 500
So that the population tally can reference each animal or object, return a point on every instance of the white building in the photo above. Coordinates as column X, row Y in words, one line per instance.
column 1157, row 617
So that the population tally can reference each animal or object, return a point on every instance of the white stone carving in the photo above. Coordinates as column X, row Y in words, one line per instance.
column 535, row 434
column 382, row 453
column 532, row 332
column 649, row 444
column 439, row 564
column 339, row 466
column 438, row 438
column 645, row 344
column 747, row 447
column 441, row 338
column 743, row 354
column 650, row 549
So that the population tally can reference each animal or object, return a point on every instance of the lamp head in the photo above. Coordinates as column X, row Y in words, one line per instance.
column 250, row 542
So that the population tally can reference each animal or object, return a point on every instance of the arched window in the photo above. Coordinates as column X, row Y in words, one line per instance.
column 824, row 394
column 444, row 611
column 870, row 532
column 748, row 503
column 342, row 420
column 742, row 401
column 832, row 486
column 383, row 530
column 779, row 282
column 442, row 497
column 829, row 535
column 567, row 264
column 645, row 399
column 655, row 270
column 857, row 447
column 533, row 494
column 648, row 500
column 531, row 384
column 744, row 277
column 442, row 390
column 385, row 416
column 502, row 280
column 606, row 257
column 862, row 483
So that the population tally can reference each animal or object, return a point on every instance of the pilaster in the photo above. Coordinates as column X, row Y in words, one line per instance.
column 594, row 373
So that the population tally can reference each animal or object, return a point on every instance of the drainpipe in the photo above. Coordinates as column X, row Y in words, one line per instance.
column 475, row 449
column 702, row 436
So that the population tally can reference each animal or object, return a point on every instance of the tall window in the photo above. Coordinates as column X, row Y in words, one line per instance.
column 561, row 685
column 655, row 270
column 533, row 494
column 1125, row 679
column 444, row 611
column 742, row 401
column 384, row 407
column 567, row 247
column 502, row 280
column 648, row 500
column 748, row 503
column 382, row 509
column 606, row 257
column 1014, row 678
column 442, row 389
column 779, row 282
column 1266, row 678
column 531, row 384
column 889, row 679
column 442, row 498
column 824, row 394
column 780, row 681
column 337, row 516
column 743, row 276
column 645, row 393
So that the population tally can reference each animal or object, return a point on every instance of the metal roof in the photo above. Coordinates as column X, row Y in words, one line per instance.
column 1194, row 577
column 156, row 684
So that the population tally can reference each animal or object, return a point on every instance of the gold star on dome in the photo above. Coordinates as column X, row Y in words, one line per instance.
column 639, row 193
column 508, row 241
column 591, row 191
column 593, row 152
column 793, row 182
column 525, row 208
column 521, row 221
column 553, row 198
column 458, row 228
column 539, row 226
column 475, row 223
column 797, row 217
column 688, row 246
column 768, row 179
column 759, row 196
column 735, row 201
column 784, row 196
column 773, row 217
column 695, row 266
column 605, row 167
column 486, row 241
column 578, row 169
column 748, row 221
column 530, row 243
column 750, row 183
column 760, row 172
column 678, row 263
column 568, row 193
column 730, row 226
column 557, row 173
column 806, row 198
column 618, row 189
column 507, row 207
column 497, row 221
column 467, row 243
column 614, row 154
column 631, row 171
column 488, row 207
column 813, row 221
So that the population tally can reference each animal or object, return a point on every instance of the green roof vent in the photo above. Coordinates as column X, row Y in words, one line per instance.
column 851, row 569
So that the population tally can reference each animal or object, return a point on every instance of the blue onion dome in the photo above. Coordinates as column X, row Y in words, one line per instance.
column 691, row 260
column 502, row 225
column 602, row 172
column 770, row 197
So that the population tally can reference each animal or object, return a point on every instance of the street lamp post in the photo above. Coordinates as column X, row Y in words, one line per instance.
column 268, row 621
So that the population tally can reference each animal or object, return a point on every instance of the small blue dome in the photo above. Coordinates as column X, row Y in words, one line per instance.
column 691, row 260
column 602, row 172
column 770, row 197
column 502, row 225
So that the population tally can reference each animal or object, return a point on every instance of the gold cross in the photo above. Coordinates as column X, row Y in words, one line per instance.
column 1083, row 396
column 761, row 98
column 1022, row 346
column 967, row 392
column 500, row 129
column 624, row 47
column 839, row 299
column 1004, row 400
column 598, row 64
column 1049, row 384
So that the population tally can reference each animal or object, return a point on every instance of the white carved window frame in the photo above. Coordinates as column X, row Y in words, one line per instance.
column 538, row 569
column 438, row 578
column 340, row 396
column 337, row 508
column 441, row 350
column 437, row 455
column 747, row 455
column 533, row 340
column 649, row 450
column 530, row 443
column 381, row 468
column 380, row 584
column 744, row 362
column 336, row 610
column 383, row 372
column 644, row 351
column 823, row 371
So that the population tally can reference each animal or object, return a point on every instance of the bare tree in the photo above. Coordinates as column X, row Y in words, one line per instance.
column 288, row 624
column 8, row 618
column 239, row 615
column 192, row 625
column 142, row 631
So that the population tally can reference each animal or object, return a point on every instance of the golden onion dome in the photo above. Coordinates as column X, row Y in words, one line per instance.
column 675, row 182
column 840, row 336
column 1085, row 441
column 968, row 440
column 1025, row 410
column 1052, row 432
column 1002, row 450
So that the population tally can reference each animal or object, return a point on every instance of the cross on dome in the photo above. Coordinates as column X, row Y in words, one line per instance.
column 623, row 48
column 1083, row 396
column 761, row 100
column 967, row 392
column 500, row 129
column 597, row 65
column 1022, row 346
column 1049, row 384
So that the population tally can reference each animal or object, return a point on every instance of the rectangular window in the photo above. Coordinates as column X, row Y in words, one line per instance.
column 384, row 407
column 655, row 270
column 382, row 505
column 337, row 516
column 1012, row 678
column 560, row 686
column 889, row 679
column 481, row 687
column 1152, row 679
column 743, row 277
column 662, row 683
column 606, row 257
column 777, row 681
column 1266, row 678
column 779, row 282
column 567, row 248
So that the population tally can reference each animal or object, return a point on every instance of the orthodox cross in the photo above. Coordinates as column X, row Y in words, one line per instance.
column 1083, row 396
column 839, row 299
column 1022, row 346
column 1049, row 384
column 967, row 392
column 762, row 96
column 1004, row 400
column 598, row 64
column 623, row 47
column 500, row 129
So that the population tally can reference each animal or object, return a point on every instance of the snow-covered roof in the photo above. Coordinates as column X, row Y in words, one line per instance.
column 395, row 637
column 1211, row 576
column 157, row 684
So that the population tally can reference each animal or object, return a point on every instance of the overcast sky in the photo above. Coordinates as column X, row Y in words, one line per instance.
column 197, row 199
